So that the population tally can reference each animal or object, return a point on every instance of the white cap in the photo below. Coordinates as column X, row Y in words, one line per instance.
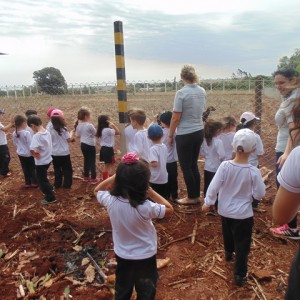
column 244, row 141
column 248, row 116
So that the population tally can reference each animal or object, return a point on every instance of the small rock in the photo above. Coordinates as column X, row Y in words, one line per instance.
column 262, row 275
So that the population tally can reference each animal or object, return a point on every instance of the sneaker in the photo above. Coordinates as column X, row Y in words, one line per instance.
column 34, row 185
column 188, row 201
column 286, row 231
column 25, row 186
column 239, row 280
column 86, row 179
column 95, row 181
column 45, row 201
column 228, row 256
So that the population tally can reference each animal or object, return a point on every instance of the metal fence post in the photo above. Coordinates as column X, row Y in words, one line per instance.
column 258, row 101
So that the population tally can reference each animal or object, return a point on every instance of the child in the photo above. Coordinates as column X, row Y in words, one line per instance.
column 60, row 137
column 237, row 182
column 229, row 129
column 172, row 185
column 28, row 113
column 213, row 151
column 249, row 120
column 141, row 141
column 4, row 151
column 106, row 132
column 134, row 235
column 86, row 131
column 158, row 156
column 22, row 139
column 49, row 111
column 129, row 135
column 41, row 149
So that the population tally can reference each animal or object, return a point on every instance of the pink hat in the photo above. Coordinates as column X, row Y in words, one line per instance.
column 57, row 113
column 50, row 110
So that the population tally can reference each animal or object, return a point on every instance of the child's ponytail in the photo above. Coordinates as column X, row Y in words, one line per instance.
column 243, row 124
column 82, row 113
column 211, row 129
column 19, row 120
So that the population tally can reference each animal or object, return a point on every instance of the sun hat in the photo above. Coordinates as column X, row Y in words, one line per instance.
column 248, row 116
column 50, row 110
column 155, row 132
column 166, row 117
column 244, row 141
column 57, row 113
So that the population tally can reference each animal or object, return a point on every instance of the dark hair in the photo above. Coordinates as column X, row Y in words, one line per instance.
column 103, row 122
column 211, row 127
column 82, row 113
column 19, row 120
column 289, row 73
column 132, row 182
column 30, row 112
column 59, row 124
column 296, row 120
column 34, row 120
column 229, row 122
column 243, row 125
column 139, row 116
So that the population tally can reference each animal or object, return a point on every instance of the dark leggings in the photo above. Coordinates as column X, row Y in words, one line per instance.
column 293, row 223
column 28, row 167
column 4, row 160
column 188, row 148
column 89, row 160
column 63, row 171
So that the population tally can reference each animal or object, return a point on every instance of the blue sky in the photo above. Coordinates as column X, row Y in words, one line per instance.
column 76, row 36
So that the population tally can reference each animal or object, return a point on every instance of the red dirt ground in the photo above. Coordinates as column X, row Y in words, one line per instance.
column 44, row 238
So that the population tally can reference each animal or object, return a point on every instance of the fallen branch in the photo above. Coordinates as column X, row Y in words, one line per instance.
column 177, row 282
column 258, row 242
column 25, row 228
column 97, row 267
column 194, row 232
column 259, row 288
column 219, row 274
column 175, row 241
column 255, row 291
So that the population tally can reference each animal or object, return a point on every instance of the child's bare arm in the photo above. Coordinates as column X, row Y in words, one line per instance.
column 104, row 185
column 153, row 164
column 160, row 200
column 35, row 154
column 7, row 127
column 113, row 126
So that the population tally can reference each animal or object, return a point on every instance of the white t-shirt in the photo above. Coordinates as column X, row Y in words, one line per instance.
column 60, row 145
column 159, row 153
column 86, row 131
column 172, row 152
column 22, row 142
column 227, row 139
column 129, row 135
column 49, row 124
column 253, row 160
column 236, row 184
column 3, row 139
column 134, row 234
column 190, row 101
column 282, row 119
column 108, row 137
column 214, row 154
column 289, row 176
column 142, row 144
column 29, row 130
column 41, row 143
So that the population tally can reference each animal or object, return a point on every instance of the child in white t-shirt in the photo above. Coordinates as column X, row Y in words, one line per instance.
column 87, row 133
column 106, row 132
column 125, row 196
column 158, row 156
column 236, row 184
column 141, row 142
column 28, row 113
column 212, row 150
column 4, row 151
column 129, row 135
column 22, row 139
column 229, row 129
column 172, row 185
column 41, row 150
column 61, row 137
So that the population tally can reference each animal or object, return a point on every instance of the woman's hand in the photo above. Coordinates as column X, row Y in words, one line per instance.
column 205, row 208
column 171, row 140
column 282, row 160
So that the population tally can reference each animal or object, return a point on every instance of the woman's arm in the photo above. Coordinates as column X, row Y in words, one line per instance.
column 174, row 124
column 104, row 185
column 285, row 206
column 160, row 200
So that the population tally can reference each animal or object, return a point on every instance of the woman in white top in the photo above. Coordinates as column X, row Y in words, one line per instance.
column 63, row 171
column 106, row 132
column 189, row 104
column 87, row 131
column 22, row 139
column 287, row 84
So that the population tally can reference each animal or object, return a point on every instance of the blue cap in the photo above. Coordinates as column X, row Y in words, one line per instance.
column 155, row 132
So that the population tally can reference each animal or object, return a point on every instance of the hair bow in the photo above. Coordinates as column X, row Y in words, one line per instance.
column 130, row 158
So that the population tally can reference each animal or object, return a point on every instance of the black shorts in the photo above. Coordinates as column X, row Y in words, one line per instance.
column 107, row 155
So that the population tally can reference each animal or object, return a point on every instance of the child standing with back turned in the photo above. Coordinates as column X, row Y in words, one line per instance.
column 237, row 182
column 229, row 129
column 134, row 235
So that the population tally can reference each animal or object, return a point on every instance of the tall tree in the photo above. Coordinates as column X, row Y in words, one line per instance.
column 291, row 62
column 50, row 80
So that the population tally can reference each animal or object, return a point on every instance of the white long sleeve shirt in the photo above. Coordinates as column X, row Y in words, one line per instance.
column 237, row 185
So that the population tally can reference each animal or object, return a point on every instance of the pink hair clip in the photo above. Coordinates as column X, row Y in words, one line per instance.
column 130, row 158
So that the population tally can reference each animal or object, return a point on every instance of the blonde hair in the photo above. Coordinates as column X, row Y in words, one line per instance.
column 189, row 74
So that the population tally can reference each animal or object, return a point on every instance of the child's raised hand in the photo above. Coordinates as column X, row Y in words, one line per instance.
column 37, row 155
column 205, row 208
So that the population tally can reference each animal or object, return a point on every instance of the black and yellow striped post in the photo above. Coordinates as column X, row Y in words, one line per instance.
column 121, row 81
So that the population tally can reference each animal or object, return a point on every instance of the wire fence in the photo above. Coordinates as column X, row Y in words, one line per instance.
column 229, row 97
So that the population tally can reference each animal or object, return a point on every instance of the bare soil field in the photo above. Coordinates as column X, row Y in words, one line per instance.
column 43, row 249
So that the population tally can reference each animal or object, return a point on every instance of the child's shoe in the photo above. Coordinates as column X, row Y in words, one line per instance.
column 25, row 186
column 239, row 280
column 105, row 175
column 34, row 185
column 228, row 256
column 45, row 201
column 95, row 181
column 86, row 179
column 286, row 231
